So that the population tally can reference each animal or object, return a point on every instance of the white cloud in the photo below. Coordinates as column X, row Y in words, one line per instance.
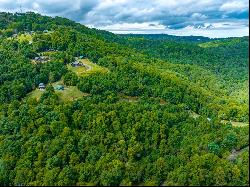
column 198, row 16
column 191, row 31
column 140, row 14
column 235, row 6
column 133, row 26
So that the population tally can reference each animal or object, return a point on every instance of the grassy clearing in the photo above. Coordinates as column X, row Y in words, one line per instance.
column 36, row 94
column 88, row 69
column 235, row 123
column 70, row 93
column 79, row 71
column 94, row 67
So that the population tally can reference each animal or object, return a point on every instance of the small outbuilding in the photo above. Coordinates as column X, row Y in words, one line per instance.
column 59, row 87
column 41, row 86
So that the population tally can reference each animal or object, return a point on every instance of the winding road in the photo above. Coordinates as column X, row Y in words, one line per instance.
column 88, row 67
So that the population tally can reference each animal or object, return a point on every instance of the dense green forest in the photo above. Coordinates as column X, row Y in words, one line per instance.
column 154, row 109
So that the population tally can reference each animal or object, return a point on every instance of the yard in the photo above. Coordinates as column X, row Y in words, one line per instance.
column 69, row 93
column 88, row 68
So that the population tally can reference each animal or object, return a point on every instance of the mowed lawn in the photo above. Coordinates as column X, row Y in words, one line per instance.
column 88, row 69
column 79, row 71
column 70, row 93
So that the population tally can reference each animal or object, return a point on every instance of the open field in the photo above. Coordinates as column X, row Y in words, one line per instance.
column 79, row 71
column 69, row 93
column 88, row 68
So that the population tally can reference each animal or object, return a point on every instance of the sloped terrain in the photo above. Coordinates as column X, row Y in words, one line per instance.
column 130, row 123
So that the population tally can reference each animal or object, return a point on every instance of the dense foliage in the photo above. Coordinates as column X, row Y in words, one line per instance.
column 104, row 139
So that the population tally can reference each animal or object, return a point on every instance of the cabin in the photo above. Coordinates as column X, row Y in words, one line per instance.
column 81, row 57
column 45, row 31
column 76, row 64
column 59, row 87
column 41, row 86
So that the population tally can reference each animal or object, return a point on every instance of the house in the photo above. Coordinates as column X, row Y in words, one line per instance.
column 81, row 57
column 41, row 86
column 76, row 64
column 45, row 31
column 59, row 87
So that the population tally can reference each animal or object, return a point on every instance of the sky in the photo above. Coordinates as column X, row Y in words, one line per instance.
column 211, row 18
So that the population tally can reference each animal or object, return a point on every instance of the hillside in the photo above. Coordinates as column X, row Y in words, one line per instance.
column 124, row 115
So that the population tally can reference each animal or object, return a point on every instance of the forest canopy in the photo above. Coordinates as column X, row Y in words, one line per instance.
column 120, row 109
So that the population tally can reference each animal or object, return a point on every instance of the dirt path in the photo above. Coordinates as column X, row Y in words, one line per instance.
column 88, row 67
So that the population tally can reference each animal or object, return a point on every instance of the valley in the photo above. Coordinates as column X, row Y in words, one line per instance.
column 82, row 106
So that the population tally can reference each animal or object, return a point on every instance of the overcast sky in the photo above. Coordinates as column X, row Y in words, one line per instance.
column 212, row 18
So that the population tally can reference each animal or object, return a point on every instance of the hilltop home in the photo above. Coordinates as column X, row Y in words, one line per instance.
column 76, row 64
column 41, row 86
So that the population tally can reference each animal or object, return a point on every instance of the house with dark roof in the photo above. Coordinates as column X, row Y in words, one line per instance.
column 76, row 64
column 41, row 86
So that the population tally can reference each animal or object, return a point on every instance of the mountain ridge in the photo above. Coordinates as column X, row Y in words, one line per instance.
column 129, row 124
